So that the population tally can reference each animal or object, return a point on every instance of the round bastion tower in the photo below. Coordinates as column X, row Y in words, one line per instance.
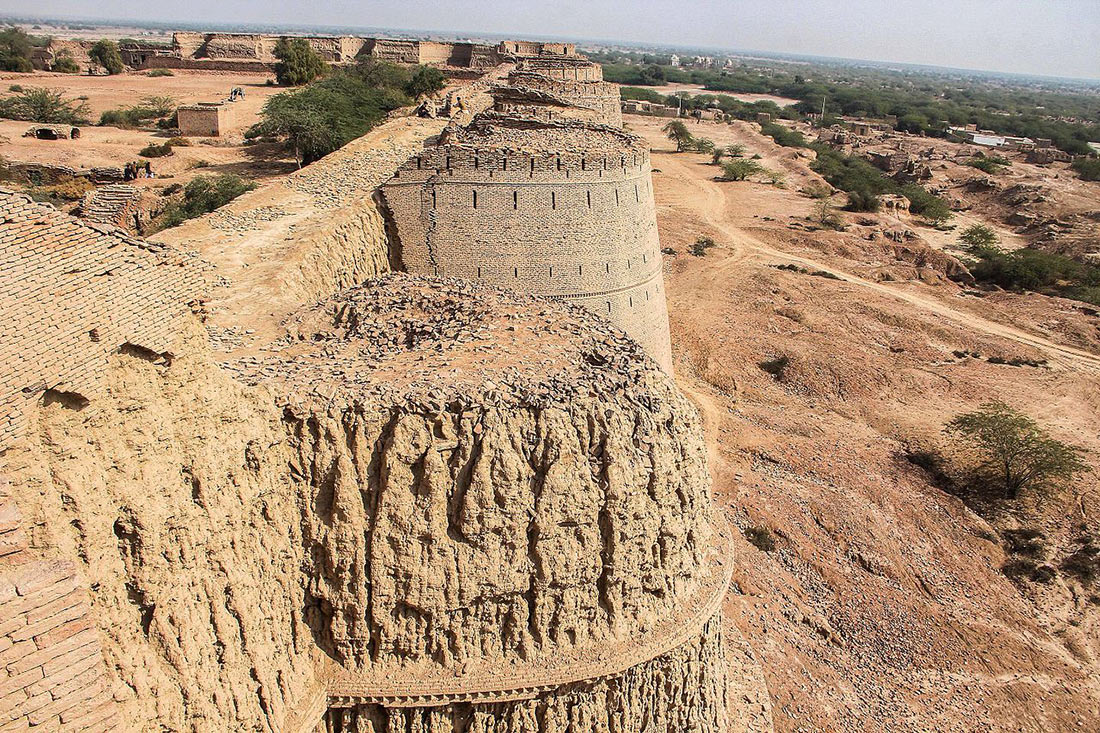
column 562, row 209
column 541, row 200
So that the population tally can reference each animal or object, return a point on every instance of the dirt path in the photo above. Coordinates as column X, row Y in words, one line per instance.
column 710, row 206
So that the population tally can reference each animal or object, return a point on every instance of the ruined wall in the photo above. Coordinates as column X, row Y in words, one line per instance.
column 565, row 68
column 52, row 673
column 77, row 293
column 598, row 96
column 169, row 490
column 533, row 526
column 571, row 224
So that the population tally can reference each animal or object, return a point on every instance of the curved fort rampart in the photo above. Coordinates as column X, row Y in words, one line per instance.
column 395, row 504
column 559, row 209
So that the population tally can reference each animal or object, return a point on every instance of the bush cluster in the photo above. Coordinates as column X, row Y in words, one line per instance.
column 202, row 195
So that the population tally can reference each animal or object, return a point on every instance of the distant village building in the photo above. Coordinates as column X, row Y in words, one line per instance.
column 206, row 119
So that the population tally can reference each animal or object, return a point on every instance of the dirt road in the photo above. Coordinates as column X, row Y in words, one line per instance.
column 711, row 206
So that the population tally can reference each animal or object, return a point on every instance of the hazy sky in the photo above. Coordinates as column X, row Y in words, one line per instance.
column 1054, row 37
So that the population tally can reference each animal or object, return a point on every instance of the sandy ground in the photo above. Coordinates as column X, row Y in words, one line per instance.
column 698, row 89
column 126, row 90
column 883, row 606
column 110, row 146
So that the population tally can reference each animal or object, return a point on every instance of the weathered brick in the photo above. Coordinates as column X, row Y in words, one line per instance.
column 65, row 631
column 41, row 576
column 57, row 655
column 59, row 706
column 81, row 651
column 72, row 599
column 66, row 682
column 16, row 654
column 10, row 519
column 48, row 624
column 98, row 719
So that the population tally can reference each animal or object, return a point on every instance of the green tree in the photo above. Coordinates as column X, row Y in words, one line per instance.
column 64, row 64
column 15, row 50
column 298, row 63
column 652, row 75
column 105, row 53
column 678, row 132
column 740, row 169
column 159, row 105
column 37, row 104
column 979, row 236
column 1013, row 453
column 1087, row 168
column 425, row 80
column 321, row 117
column 702, row 145
column 202, row 195
column 863, row 201
column 735, row 150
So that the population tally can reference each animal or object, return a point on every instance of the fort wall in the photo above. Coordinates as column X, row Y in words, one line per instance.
column 576, row 225
column 52, row 672
column 94, row 291
column 191, row 47
column 598, row 96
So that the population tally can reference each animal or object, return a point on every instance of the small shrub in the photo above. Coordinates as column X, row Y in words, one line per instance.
column 784, row 136
column 991, row 165
column 979, row 236
column 776, row 366
column 701, row 245
column 15, row 88
column 863, row 201
column 127, row 118
column 64, row 64
column 760, row 537
column 160, row 72
column 740, row 169
column 202, row 195
column 152, row 150
column 36, row 104
column 701, row 145
column 818, row 190
column 178, row 142
column 159, row 105
column 201, row 164
column 1087, row 168
column 776, row 178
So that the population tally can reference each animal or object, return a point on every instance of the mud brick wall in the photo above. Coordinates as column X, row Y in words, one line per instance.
column 599, row 96
column 52, row 673
column 576, row 225
column 75, row 293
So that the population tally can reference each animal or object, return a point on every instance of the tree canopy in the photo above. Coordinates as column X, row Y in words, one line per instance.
column 1013, row 453
column 105, row 53
column 329, row 113
column 298, row 63
column 15, row 50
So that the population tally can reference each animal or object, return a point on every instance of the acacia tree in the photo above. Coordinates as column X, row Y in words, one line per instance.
column 677, row 131
column 298, row 63
column 38, row 104
column 979, row 236
column 1013, row 453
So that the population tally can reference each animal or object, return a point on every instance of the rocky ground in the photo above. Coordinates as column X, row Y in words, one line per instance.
column 881, row 604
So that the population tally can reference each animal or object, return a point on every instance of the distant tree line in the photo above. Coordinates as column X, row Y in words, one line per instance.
column 922, row 102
